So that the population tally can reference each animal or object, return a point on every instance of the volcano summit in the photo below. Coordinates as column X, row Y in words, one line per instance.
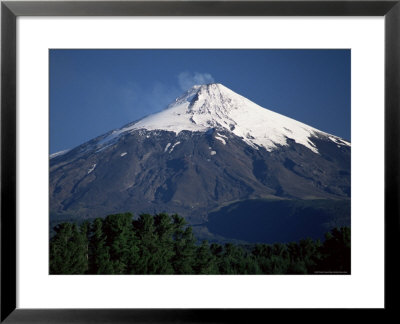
column 229, row 166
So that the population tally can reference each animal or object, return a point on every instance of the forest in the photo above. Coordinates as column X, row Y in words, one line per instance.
column 164, row 244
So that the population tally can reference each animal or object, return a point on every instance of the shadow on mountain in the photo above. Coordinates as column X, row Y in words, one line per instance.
column 269, row 221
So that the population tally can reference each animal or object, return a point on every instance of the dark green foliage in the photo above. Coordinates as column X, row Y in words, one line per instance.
column 206, row 262
column 69, row 250
column 184, row 247
column 336, row 251
column 164, row 244
column 120, row 239
column 155, row 244
column 146, row 234
column 99, row 258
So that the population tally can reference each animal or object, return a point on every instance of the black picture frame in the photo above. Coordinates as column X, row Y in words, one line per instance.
column 10, row 10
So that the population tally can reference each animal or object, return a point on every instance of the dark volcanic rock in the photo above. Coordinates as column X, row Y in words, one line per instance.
column 190, row 174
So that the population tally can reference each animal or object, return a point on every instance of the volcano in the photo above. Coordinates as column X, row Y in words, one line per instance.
column 233, row 169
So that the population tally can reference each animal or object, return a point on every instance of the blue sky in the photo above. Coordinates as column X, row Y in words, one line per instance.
column 94, row 91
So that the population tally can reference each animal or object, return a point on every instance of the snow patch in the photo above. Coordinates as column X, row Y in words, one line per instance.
column 123, row 154
column 220, row 139
column 92, row 168
column 104, row 147
column 58, row 153
column 339, row 141
column 113, row 136
column 213, row 152
column 173, row 146
column 166, row 147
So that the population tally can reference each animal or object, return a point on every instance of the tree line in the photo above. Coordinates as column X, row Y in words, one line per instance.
column 163, row 244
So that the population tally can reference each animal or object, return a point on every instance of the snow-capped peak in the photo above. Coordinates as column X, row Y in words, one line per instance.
column 215, row 106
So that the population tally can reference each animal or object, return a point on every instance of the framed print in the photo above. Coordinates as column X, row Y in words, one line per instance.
column 198, row 160
column 208, row 157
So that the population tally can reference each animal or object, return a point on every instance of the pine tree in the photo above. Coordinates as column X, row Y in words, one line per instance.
column 184, row 247
column 165, row 246
column 84, row 241
column 68, row 250
column 262, row 254
column 336, row 251
column 205, row 261
column 232, row 259
column 99, row 257
column 147, row 244
column 120, row 239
